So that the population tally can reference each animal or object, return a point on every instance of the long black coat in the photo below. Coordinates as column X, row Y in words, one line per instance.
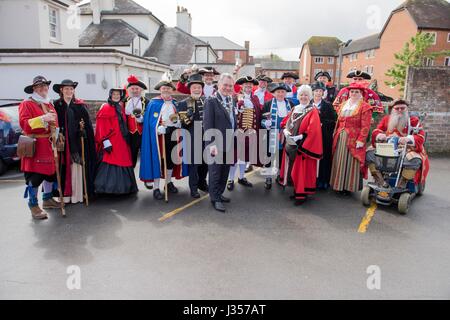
column 69, row 118
column 328, row 119
column 217, row 117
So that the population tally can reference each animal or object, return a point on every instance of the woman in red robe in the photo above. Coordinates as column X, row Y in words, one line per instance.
column 303, row 147
column 349, row 142
column 115, row 173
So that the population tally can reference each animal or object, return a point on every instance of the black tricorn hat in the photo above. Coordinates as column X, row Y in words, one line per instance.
column 322, row 74
column 204, row 70
column 263, row 77
column 279, row 86
column 247, row 79
column 359, row 74
column 38, row 80
column 289, row 75
column 318, row 86
column 165, row 84
column 123, row 92
column 195, row 78
column 65, row 83
column 134, row 81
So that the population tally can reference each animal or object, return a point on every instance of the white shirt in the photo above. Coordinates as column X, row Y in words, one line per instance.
column 247, row 101
column 167, row 110
column 260, row 93
column 208, row 90
column 132, row 104
column 282, row 109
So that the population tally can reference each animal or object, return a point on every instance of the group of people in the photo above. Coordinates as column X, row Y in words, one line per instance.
column 305, row 137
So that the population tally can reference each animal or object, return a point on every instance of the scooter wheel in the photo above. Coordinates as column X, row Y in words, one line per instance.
column 404, row 202
column 365, row 196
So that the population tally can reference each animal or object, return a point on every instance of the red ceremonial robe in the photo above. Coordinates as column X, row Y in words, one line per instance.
column 419, row 140
column 310, row 149
column 357, row 126
column 107, row 127
column 43, row 161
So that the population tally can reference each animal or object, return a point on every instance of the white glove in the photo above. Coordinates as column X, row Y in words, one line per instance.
column 161, row 130
column 268, row 124
column 286, row 133
column 360, row 145
column 297, row 138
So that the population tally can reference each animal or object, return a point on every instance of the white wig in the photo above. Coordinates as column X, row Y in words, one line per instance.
column 305, row 89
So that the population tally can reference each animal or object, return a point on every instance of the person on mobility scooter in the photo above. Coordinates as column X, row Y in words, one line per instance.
column 400, row 176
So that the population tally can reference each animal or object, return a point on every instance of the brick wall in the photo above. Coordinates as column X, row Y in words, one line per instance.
column 427, row 90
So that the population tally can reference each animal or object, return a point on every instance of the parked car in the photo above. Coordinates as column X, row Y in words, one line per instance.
column 10, row 132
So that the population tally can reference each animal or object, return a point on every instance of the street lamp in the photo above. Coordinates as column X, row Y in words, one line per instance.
column 341, row 46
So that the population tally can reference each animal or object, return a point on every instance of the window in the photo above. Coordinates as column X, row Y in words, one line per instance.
column 237, row 54
column 136, row 52
column 90, row 78
column 330, row 60
column 448, row 37
column 370, row 70
column 220, row 55
column 53, row 23
column 433, row 35
column 427, row 62
column 353, row 57
column 447, row 62
column 370, row 54
column 318, row 60
column 330, row 71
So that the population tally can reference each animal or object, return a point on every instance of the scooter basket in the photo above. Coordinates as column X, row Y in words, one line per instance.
column 387, row 164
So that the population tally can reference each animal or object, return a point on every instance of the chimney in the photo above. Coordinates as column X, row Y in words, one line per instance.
column 96, row 14
column 97, row 6
column 184, row 19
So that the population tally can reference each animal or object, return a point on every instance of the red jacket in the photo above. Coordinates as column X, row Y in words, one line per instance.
column 107, row 127
column 43, row 161
column 357, row 127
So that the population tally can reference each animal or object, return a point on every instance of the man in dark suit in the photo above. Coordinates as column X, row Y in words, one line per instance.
column 191, row 112
column 220, row 118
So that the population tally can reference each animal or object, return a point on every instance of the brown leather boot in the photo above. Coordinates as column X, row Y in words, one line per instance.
column 38, row 214
column 407, row 175
column 50, row 204
column 377, row 176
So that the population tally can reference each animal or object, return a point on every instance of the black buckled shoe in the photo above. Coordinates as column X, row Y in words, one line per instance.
column 157, row 194
column 230, row 185
column 171, row 188
column 148, row 185
column 245, row 182
column 195, row 194
column 218, row 206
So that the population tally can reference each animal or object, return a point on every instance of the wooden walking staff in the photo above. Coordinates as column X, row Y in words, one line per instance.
column 164, row 157
column 54, row 141
column 83, row 159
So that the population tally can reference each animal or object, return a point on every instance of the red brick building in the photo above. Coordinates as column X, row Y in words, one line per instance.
column 318, row 54
column 228, row 51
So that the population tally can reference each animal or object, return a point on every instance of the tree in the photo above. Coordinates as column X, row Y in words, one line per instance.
column 414, row 54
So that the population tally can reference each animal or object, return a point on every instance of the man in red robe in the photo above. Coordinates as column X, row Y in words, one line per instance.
column 409, row 132
column 303, row 147
column 36, row 117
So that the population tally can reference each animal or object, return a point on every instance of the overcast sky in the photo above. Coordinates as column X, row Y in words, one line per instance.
column 278, row 26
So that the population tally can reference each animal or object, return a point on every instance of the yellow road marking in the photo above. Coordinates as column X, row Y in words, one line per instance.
column 367, row 218
column 192, row 203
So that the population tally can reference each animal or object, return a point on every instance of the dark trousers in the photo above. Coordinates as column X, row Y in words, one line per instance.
column 197, row 176
column 218, row 177
column 135, row 146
